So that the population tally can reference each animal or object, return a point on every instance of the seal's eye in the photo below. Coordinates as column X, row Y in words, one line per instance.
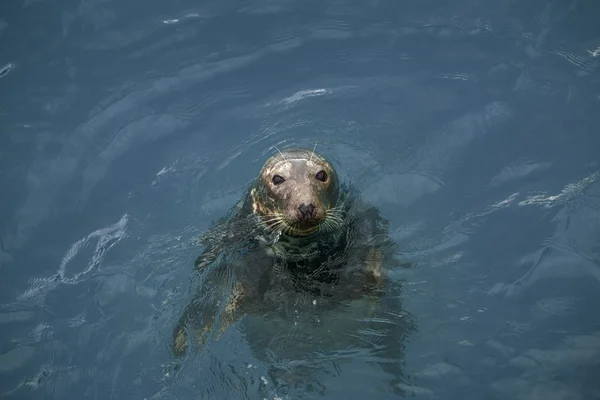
column 278, row 180
column 322, row 176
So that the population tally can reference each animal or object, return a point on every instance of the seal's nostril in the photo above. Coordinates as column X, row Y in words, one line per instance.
column 306, row 209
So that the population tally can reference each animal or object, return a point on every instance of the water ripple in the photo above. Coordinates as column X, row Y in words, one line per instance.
column 570, row 191
column 568, row 253
column 106, row 238
column 398, row 96
column 6, row 69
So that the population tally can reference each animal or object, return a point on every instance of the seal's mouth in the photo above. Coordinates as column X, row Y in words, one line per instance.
column 331, row 220
column 292, row 227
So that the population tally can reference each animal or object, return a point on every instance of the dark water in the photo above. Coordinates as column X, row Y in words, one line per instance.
column 127, row 127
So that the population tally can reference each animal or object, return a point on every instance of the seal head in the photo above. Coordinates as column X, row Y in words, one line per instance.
column 297, row 193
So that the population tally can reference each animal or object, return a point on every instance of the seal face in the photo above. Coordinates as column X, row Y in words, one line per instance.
column 297, row 193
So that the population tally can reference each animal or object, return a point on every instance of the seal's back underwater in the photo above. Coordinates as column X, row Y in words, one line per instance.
column 296, row 236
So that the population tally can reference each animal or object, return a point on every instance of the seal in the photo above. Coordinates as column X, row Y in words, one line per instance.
column 297, row 235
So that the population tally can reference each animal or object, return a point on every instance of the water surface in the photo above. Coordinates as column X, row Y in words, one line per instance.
column 128, row 127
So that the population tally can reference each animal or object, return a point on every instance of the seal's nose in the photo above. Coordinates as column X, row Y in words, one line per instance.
column 306, row 210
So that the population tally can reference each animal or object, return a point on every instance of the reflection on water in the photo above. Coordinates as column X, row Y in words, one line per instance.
column 127, row 130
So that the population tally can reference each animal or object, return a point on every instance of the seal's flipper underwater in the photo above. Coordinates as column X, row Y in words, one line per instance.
column 200, row 319
column 232, row 288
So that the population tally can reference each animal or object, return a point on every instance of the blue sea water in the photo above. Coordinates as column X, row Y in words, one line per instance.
column 128, row 127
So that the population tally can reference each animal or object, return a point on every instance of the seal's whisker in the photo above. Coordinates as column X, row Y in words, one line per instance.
column 336, row 222
column 322, row 227
column 330, row 225
column 272, row 219
column 333, row 226
column 282, row 156
column 277, row 226
column 313, row 152
column 287, row 229
column 281, row 225
column 335, row 219
column 339, row 214
column 327, row 226
column 339, row 210
column 336, row 211
column 272, row 214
